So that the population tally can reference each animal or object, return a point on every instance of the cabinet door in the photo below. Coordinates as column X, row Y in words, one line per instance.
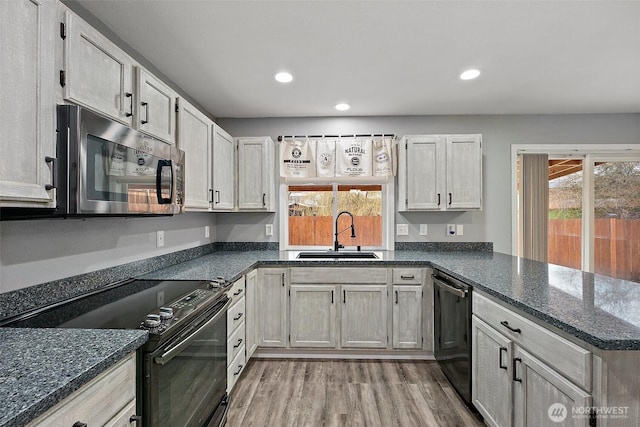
column 195, row 140
column 542, row 397
column 98, row 74
column 491, row 387
column 313, row 316
column 223, row 170
column 255, row 170
column 272, row 320
column 407, row 316
column 464, row 172
column 364, row 316
column 424, row 174
column 156, row 107
column 251, row 305
column 27, row 113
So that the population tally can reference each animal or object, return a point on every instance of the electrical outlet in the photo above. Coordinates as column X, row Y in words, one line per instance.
column 402, row 229
column 268, row 229
column 423, row 229
column 451, row 229
column 459, row 230
column 159, row 238
column 206, row 231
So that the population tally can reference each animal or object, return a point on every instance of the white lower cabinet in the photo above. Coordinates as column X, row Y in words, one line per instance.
column 272, row 309
column 109, row 399
column 523, row 374
column 251, row 283
column 364, row 316
column 313, row 316
column 236, row 332
column 407, row 316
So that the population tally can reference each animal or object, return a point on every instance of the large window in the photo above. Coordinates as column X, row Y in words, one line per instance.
column 312, row 212
column 593, row 215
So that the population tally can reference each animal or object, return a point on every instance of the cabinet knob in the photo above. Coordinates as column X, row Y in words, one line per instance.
column 135, row 419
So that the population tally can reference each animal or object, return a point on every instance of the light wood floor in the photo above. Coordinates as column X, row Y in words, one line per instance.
column 346, row 393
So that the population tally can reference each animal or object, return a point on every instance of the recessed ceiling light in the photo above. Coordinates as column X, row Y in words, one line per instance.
column 342, row 107
column 284, row 77
column 470, row 74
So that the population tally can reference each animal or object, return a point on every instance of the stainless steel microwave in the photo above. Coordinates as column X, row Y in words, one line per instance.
column 106, row 168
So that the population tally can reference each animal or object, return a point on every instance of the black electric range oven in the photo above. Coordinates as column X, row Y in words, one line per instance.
column 182, row 369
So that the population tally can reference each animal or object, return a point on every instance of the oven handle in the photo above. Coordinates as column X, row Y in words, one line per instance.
column 166, row 357
column 462, row 293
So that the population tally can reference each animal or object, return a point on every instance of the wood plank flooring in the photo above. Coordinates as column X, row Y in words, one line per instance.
column 346, row 393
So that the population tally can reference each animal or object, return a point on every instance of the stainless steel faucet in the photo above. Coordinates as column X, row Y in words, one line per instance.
column 336, row 245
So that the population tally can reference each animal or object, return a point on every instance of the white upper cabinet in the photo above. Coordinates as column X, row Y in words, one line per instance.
column 256, row 174
column 27, row 113
column 97, row 74
column 194, row 138
column 440, row 172
column 223, row 170
column 155, row 107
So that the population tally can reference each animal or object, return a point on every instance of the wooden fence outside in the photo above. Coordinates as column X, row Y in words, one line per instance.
column 617, row 246
column 318, row 231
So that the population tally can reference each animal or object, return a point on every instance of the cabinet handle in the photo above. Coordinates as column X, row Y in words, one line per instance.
column 130, row 96
column 217, row 196
column 396, row 297
column 146, row 107
column 239, row 343
column 331, row 297
column 407, row 277
column 238, row 371
column 500, row 358
column 54, row 172
column 238, row 292
column 506, row 325
column 135, row 419
column 264, row 199
column 79, row 424
column 282, row 279
column 344, row 297
column 449, row 199
column 211, row 195
column 238, row 316
column 438, row 199
column 515, row 376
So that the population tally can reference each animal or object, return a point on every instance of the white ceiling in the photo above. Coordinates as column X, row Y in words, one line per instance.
column 389, row 57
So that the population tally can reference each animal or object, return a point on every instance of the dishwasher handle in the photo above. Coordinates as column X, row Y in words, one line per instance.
column 462, row 293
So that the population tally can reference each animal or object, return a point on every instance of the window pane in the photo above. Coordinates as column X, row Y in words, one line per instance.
column 565, row 213
column 311, row 215
column 617, row 219
column 364, row 202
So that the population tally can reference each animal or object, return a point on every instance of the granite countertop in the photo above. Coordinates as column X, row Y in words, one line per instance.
column 599, row 310
column 40, row 367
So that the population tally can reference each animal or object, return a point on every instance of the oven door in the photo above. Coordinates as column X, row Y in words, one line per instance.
column 185, row 381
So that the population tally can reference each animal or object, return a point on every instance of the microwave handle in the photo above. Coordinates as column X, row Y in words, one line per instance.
column 162, row 164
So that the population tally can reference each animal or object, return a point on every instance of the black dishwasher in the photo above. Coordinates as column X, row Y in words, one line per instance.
column 452, row 325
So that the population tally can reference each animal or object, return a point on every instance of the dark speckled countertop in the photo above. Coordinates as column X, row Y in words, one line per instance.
column 599, row 310
column 40, row 367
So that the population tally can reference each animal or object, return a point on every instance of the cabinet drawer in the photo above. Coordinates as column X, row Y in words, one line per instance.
column 237, row 290
column 123, row 418
column 235, row 369
column 235, row 316
column 346, row 275
column 235, row 342
column 409, row 276
column 567, row 358
column 98, row 401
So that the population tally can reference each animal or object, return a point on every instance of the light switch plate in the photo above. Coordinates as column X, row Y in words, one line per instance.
column 159, row 238
column 268, row 229
column 402, row 229
column 423, row 229
column 459, row 230
column 451, row 230
column 206, row 231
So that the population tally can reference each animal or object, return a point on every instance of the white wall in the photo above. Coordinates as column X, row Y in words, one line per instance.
column 493, row 224
column 38, row 251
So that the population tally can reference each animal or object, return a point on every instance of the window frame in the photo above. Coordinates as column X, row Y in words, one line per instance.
column 388, row 213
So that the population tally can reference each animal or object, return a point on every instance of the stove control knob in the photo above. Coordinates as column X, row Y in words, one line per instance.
column 166, row 313
column 152, row 321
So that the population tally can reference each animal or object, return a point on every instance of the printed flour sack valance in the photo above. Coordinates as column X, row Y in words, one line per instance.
column 297, row 158
column 354, row 157
column 384, row 157
column 326, row 158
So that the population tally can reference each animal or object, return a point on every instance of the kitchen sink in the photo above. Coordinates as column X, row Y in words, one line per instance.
column 334, row 254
